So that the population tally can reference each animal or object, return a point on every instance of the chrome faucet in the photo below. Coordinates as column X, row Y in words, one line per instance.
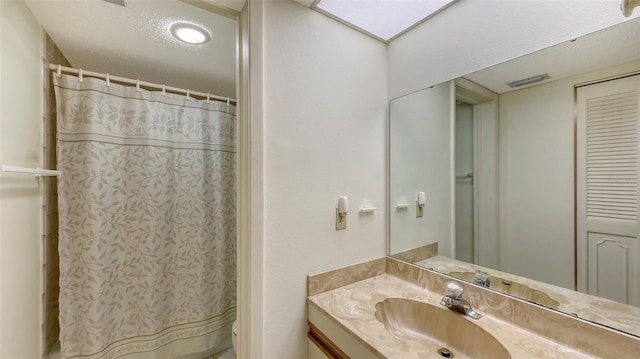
column 453, row 300
column 482, row 279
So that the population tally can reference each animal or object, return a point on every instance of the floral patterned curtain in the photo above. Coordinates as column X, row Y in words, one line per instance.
column 147, row 221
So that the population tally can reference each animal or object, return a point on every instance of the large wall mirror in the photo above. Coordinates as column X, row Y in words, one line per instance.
column 531, row 190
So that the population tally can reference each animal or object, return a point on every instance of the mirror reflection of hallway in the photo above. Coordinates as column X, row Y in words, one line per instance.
column 464, row 189
column 475, row 163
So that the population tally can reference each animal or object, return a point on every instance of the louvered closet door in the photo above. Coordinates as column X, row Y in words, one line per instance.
column 607, row 189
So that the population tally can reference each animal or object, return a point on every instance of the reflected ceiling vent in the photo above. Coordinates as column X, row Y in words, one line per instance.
column 117, row 2
column 529, row 80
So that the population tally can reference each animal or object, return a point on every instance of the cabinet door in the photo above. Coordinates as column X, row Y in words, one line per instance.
column 607, row 189
column 314, row 351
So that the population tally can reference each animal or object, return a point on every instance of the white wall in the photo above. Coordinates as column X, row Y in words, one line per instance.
column 325, row 110
column 421, row 161
column 536, row 178
column 20, row 203
column 474, row 34
column 536, row 183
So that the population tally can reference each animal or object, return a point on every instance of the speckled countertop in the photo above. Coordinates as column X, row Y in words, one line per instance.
column 352, row 307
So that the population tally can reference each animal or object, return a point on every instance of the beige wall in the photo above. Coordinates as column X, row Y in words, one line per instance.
column 20, row 195
column 325, row 109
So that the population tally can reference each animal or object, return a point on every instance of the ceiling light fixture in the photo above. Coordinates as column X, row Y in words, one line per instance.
column 189, row 33
column 529, row 80
column 381, row 19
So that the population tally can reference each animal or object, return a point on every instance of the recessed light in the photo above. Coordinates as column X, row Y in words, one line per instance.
column 189, row 33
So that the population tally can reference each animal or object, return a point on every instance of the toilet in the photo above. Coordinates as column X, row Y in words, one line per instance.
column 234, row 335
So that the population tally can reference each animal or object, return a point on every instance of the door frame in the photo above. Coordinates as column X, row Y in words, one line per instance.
column 485, row 176
column 250, row 195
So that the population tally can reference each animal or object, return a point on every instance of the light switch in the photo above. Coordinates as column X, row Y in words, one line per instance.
column 420, row 202
column 341, row 213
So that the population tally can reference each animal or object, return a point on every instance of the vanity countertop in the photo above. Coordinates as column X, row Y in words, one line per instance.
column 613, row 314
column 352, row 307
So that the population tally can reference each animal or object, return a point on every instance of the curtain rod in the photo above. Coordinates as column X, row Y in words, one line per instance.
column 70, row 70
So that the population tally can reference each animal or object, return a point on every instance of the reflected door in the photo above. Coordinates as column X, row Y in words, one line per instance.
column 607, row 189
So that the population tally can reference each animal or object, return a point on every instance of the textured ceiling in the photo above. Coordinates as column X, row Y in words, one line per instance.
column 134, row 41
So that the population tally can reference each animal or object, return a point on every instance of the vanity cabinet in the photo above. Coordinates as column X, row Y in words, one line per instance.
column 326, row 339
column 316, row 351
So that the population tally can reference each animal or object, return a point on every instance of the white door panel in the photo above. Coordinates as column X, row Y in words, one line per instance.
column 607, row 189
column 613, row 266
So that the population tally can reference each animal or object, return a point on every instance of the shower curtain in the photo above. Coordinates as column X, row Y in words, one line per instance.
column 147, row 203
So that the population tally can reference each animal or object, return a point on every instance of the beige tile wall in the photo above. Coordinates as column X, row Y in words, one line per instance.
column 50, row 266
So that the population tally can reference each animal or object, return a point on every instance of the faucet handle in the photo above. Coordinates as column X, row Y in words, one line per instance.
column 454, row 290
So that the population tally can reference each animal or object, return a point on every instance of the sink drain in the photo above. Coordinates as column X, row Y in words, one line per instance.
column 445, row 353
